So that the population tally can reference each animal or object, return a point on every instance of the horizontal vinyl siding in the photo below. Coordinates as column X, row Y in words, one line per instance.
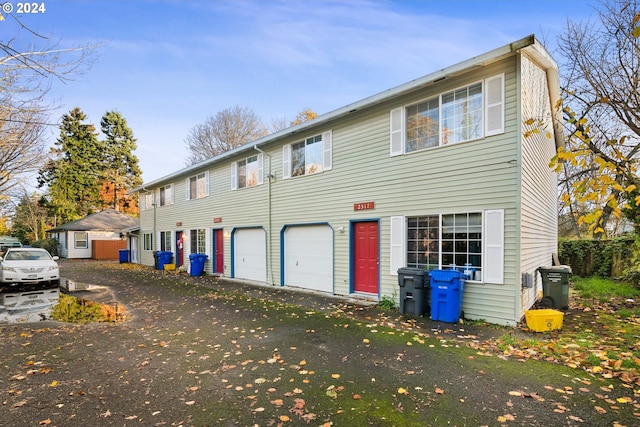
column 466, row 177
column 539, row 183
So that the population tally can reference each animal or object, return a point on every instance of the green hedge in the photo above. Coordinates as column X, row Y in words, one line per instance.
column 604, row 258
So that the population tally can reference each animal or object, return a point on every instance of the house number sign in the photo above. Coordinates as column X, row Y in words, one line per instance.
column 364, row 206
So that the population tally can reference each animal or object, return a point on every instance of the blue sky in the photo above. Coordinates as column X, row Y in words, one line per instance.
column 168, row 65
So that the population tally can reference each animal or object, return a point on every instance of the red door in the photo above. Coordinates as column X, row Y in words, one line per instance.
column 218, row 251
column 365, row 257
column 179, row 249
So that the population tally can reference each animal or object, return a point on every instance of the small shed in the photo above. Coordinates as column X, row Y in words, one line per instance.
column 98, row 236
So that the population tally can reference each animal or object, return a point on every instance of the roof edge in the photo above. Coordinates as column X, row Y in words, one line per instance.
column 427, row 80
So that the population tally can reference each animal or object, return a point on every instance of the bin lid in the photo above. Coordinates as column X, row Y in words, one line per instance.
column 411, row 270
column 445, row 275
column 556, row 268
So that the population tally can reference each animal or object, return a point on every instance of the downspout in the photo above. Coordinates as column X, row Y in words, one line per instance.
column 153, row 236
column 269, row 177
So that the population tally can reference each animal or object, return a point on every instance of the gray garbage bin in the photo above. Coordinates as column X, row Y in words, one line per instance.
column 413, row 290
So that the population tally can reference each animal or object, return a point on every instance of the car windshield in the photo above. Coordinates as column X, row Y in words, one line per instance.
column 27, row 256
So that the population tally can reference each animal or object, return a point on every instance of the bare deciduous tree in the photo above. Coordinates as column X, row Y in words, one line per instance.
column 302, row 116
column 27, row 73
column 225, row 131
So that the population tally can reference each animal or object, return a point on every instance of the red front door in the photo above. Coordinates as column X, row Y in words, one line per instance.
column 218, row 251
column 179, row 250
column 365, row 257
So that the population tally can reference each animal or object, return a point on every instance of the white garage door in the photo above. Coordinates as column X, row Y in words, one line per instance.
column 250, row 254
column 308, row 257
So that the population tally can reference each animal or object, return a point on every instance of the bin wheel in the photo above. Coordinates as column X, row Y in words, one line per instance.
column 546, row 302
column 462, row 314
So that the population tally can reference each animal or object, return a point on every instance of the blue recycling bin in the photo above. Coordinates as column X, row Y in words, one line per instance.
column 447, row 288
column 196, row 262
column 123, row 255
column 164, row 257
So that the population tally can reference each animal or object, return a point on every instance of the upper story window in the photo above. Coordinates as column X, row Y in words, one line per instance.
column 146, row 201
column 198, row 186
column 247, row 172
column 464, row 114
column 309, row 156
column 165, row 195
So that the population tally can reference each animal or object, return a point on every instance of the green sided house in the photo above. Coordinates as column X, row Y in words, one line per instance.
column 446, row 169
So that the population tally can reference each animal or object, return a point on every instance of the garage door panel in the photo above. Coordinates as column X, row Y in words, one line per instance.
column 250, row 254
column 309, row 257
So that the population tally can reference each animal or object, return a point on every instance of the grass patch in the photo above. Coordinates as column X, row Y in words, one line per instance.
column 600, row 332
column 603, row 289
column 387, row 303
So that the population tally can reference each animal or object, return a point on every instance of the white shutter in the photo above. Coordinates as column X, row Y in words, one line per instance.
column 493, row 237
column 327, row 147
column 494, row 105
column 234, row 175
column 397, row 132
column 206, row 183
column 188, row 192
column 286, row 161
column 260, row 169
column 142, row 201
column 172, row 193
column 397, row 244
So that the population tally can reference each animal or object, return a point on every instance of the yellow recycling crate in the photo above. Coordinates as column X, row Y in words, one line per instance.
column 544, row 320
column 169, row 267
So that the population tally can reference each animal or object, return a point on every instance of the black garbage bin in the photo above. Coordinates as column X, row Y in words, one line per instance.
column 155, row 259
column 555, row 286
column 413, row 290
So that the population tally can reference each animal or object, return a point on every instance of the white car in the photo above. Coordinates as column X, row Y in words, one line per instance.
column 31, row 268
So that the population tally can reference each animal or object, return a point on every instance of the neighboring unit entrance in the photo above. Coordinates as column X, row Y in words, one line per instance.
column 250, row 254
column 179, row 249
column 308, row 257
column 365, row 257
column 218, row 251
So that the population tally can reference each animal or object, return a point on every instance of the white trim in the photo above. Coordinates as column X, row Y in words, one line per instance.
column 327, row 148
column 493, row 253
column 260, row 169
column 494, row 105
column 286, row 161
column 396, row 129
column 398, row 244
column 234, row 176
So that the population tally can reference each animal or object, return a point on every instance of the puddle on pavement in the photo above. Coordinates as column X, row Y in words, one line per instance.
column 31, row 306
column 36, row 306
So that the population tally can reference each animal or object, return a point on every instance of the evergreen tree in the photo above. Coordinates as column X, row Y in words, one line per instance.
column 121, row 170
column 74, row 173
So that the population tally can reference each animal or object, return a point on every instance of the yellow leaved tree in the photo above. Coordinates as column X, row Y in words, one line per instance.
column 598, row 164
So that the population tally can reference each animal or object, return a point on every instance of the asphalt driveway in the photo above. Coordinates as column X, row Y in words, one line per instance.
column 205, row 352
